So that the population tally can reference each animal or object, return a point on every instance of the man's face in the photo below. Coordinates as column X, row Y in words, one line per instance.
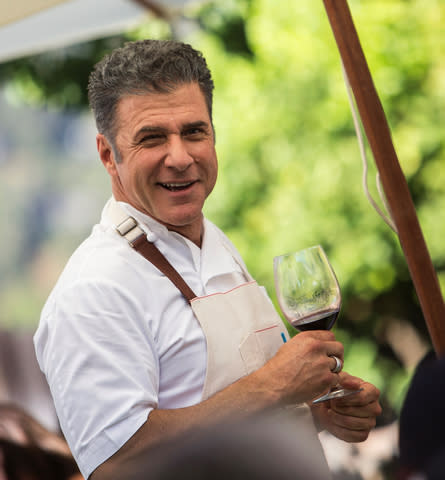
column 169, row 165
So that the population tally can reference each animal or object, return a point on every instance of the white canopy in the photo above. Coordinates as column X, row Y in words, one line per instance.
column 29, row 27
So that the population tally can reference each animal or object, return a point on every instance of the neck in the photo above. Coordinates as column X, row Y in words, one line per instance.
column 192, row 233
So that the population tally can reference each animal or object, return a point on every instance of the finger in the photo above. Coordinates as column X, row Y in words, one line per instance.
column 316, row 345
column 352, row 436
column 372, row 410
column 324, row 335
column 338, row 364
column 352, row 422
column 334, row 349
column 364, row 405
column 349, row 381
column 369, row 395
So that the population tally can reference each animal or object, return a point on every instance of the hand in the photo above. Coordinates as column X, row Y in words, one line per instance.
column 350, row 418
column 302, row 368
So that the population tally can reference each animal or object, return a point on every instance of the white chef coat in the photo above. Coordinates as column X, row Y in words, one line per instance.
column 117, row 339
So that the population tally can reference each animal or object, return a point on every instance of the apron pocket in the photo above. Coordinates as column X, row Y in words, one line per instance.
column 260, row 346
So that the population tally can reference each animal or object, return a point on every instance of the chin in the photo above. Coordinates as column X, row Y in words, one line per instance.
column 184, row 218
column 184, row 223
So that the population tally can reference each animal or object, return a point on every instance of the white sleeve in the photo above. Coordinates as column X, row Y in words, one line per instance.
column 100, row 362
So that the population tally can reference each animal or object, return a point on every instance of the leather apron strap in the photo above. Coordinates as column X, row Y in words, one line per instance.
column 129, row 228
column 151, row 253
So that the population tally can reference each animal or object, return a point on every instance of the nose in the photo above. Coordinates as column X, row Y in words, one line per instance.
column 178, row 157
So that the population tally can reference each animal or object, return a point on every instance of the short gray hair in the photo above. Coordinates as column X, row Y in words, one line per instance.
column 145, row 66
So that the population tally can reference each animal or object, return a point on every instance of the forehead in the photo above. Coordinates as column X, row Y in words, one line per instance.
column 184, row 104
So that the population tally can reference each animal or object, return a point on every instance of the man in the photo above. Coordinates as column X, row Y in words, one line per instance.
column 136, row 353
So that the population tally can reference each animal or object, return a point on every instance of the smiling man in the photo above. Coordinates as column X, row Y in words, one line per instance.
column 170, row 162
column 155, row 326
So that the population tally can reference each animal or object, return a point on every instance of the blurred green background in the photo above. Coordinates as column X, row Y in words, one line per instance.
column 290, row 170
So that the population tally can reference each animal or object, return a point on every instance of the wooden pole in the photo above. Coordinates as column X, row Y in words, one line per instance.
column 394, row 183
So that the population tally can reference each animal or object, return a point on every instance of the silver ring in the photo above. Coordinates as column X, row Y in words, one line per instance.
column 338, row 364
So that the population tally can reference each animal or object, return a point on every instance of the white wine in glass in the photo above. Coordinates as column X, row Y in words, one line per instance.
column 309, row 295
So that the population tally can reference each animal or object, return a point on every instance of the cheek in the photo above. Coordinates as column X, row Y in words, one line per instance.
column 139, row 185
column 213, row 173
column 131, row 181
column 210, row 162
column 133, row 173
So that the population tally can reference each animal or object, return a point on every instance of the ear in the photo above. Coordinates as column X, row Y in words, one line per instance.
column 106, row 154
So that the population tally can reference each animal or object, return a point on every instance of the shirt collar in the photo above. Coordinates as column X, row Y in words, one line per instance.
column 151, row 227
column 214, row 258
column 214, row 264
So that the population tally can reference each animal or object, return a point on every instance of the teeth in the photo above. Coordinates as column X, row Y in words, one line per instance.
column 176, row 185
column 173, row 187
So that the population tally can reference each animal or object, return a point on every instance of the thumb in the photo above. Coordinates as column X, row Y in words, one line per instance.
column 349, row 381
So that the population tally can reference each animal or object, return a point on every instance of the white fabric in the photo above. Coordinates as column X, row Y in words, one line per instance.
column 106, row 315
column 29, row 27
column 67, row 23
column 243, row 331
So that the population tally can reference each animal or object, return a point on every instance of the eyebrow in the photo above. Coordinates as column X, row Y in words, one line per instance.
column 154, row 129
column 198, row 124
column 148, row 129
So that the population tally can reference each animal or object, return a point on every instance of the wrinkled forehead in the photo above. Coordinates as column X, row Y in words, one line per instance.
column 184, row 105
column 151, row 99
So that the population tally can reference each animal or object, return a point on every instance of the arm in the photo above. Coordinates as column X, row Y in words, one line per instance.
column 299, row 371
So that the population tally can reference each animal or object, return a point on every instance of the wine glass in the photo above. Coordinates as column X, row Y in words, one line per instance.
column 309, row 295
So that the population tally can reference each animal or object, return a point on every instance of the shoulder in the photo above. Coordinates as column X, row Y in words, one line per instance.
column 105, row 257
column 102, row 292
column 103, row 274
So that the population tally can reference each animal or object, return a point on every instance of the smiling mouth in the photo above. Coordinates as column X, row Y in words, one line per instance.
column 176, row 187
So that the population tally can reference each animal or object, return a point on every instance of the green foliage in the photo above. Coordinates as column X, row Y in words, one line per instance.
column 290, row 167
column 290, row 171
column 57, row 78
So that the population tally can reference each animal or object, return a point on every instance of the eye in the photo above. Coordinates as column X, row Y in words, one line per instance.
column 152, row 139
column 195, row 133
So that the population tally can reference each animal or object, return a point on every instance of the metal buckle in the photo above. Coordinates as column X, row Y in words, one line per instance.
column 126, row 226
column 130, row 229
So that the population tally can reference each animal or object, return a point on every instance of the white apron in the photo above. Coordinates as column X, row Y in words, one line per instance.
column 241, row 326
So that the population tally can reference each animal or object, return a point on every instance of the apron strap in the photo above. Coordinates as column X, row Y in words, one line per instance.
column 151, row 253
column 129, row 228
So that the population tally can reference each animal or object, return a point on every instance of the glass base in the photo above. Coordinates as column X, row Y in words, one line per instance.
column 336, row 393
